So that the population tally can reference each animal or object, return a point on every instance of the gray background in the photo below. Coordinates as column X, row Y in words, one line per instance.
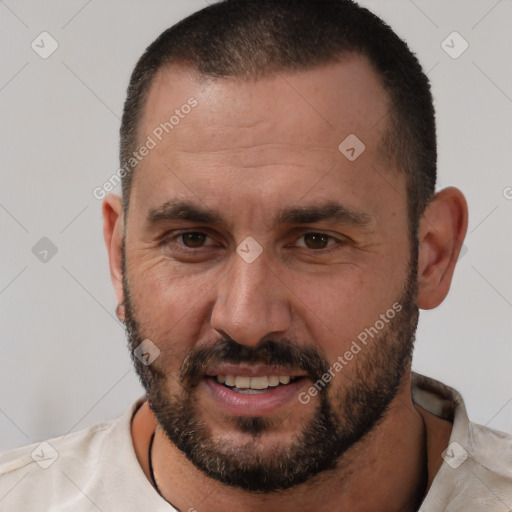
column 64, row 363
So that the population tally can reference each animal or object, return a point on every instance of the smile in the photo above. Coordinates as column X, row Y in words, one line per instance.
column 254, row 385
column 253, row 389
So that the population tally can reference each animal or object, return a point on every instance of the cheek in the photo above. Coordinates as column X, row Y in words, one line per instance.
column 336, row 310
column 168, row 305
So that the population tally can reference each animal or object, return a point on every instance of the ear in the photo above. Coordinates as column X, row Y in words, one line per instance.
column 113, row 228
column 441, row 233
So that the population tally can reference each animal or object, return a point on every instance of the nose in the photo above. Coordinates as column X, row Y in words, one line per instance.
column 251, row 303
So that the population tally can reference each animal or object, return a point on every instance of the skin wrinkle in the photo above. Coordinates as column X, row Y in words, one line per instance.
column 258, row 146
column 263, row 158
column 185, row 306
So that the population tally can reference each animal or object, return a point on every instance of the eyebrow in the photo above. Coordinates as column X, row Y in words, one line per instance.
column 307, row 214
column 330, row 211
column 183, row 210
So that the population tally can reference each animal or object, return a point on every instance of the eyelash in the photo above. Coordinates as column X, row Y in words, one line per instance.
column 172, row 237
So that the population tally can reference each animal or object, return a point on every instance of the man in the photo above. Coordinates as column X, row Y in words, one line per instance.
column 277, row 235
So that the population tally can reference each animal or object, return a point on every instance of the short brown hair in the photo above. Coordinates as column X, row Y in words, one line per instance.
column 237, row 38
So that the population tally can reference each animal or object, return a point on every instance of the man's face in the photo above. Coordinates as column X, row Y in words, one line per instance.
column 303, row 253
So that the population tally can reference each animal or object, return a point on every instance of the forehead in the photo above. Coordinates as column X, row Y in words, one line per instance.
column 339, row 98
column 286, row 128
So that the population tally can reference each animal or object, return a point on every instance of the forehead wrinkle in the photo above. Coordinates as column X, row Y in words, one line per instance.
column 274, row 156
column 271, row 145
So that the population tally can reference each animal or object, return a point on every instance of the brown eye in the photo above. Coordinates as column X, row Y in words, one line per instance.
column 316, row 240
column 193, row 240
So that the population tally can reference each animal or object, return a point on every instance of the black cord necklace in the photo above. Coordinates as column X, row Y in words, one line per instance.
column 150, row 459
column 424, row 484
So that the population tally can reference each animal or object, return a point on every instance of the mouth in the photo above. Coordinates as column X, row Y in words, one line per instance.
column 253, row 390
column 247, row 385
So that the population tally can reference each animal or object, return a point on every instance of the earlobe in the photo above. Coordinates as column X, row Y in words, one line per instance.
column 113, row 229
column 441, row 233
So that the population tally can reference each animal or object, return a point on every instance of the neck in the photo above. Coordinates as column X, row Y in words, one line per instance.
column 386, row 471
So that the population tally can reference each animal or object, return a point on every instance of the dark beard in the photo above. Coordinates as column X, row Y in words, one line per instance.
column 341, row 419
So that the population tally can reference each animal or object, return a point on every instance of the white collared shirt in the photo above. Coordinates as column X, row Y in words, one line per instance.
column 96, row 469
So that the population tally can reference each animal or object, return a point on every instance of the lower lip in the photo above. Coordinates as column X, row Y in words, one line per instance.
column 238, row 404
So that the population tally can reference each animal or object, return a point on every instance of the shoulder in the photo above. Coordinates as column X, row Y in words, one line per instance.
column 492, row 451
column 44, row 454
column 39, row 475
column 476, row 473
column 61, row 473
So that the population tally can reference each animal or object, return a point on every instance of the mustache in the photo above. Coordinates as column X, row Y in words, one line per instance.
column 270, row 353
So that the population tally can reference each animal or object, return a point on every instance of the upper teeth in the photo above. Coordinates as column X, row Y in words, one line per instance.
column 253, row 382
